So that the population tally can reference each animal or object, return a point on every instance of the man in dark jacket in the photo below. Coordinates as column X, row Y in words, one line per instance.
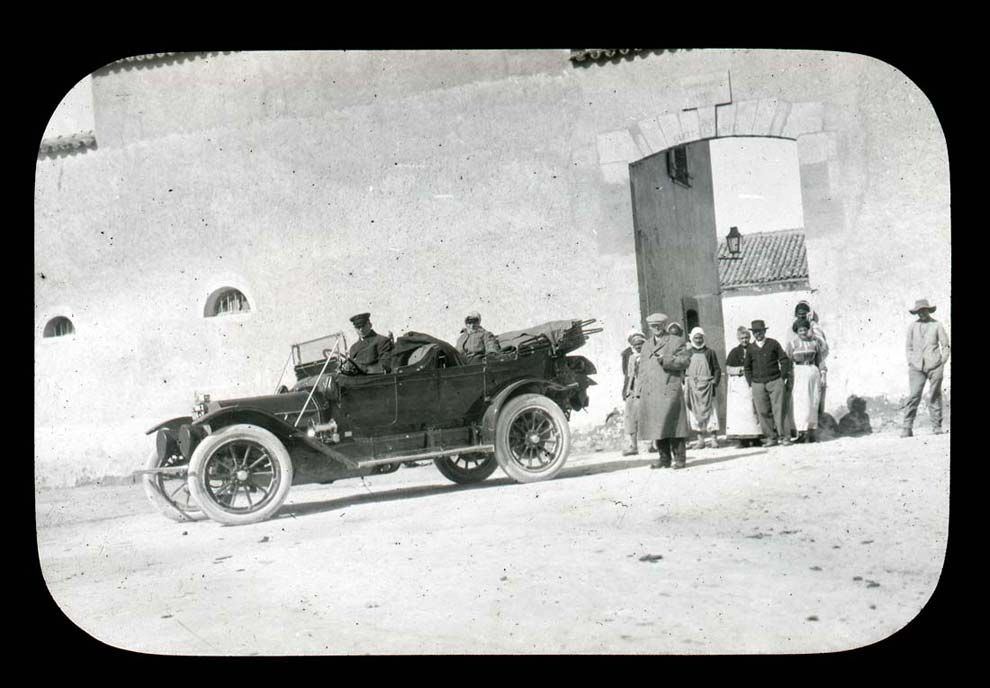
column 371, row 352
column 768, row 372
column 475, row 341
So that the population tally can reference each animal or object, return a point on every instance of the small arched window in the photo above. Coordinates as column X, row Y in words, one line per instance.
column 59, row 327
column 226, row 301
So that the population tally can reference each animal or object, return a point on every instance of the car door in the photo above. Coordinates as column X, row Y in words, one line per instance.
column 368, row 403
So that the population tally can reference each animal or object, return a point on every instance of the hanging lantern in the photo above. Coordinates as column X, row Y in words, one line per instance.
column 733, row 242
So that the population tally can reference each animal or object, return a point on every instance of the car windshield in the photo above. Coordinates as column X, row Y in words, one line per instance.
column 318, row 349
column 305, row 384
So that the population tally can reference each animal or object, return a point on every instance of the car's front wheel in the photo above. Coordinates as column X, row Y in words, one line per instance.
column 240, row 474
column 532, row 438
column 466, row 468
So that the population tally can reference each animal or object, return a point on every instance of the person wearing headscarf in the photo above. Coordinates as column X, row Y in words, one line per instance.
column 700, row 381
column 675, row 329
column 808, row 363
column 741, row 421
column 662, row 414
column 626, row 353
column 475, row 342
column 630, row 389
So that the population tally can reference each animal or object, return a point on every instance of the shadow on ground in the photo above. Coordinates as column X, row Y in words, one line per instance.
column 728, row 457
column 308, row 508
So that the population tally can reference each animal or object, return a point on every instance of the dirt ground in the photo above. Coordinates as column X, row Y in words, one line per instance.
column 810, row 548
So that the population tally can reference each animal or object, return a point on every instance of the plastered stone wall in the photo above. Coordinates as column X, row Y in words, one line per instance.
column 419, row 186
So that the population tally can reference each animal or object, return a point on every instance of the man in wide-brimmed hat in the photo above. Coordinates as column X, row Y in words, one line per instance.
column 768, row 372
column 927, row 352
column 662, row 413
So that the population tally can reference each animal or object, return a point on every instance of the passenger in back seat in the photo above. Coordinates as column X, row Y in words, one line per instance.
column 475, row 341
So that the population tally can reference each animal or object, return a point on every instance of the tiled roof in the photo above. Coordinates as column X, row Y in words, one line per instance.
column 157, row 59
column 599, row 56
column 766, row 258
column 581, row 54
column 60, row 145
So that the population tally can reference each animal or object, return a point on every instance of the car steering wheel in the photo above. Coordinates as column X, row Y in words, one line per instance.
column 357, row 369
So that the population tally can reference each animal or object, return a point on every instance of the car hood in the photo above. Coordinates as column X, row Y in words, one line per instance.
column 273, row 403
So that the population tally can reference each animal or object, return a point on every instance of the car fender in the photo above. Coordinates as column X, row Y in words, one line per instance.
column 490, row 416
column 173, row 423
column 237, row 415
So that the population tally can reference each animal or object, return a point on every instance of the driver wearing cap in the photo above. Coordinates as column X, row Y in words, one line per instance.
column 371, row 352
column 475, row 341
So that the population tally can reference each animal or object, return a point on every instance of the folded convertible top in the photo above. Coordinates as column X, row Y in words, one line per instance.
column 561, row 336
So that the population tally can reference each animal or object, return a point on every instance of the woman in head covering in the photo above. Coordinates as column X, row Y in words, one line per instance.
column 700, row 380
column 675, row 329
column 741, row 422
column 630, row 390
column 808, row 361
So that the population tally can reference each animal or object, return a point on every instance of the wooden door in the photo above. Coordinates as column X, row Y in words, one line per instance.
column 677, row 243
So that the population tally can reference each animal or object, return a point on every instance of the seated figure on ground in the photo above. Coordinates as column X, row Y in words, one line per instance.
column 857, row 422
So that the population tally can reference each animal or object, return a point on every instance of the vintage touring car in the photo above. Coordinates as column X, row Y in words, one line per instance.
column 234, row 460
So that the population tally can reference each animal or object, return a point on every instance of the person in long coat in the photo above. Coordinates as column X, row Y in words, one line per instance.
column 475, row 342
column 662, row 413
column 630, row 390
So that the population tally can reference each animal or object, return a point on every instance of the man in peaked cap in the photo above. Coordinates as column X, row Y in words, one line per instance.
column 927, row 353
column 475, row 341
column 371, row 352
column 630, row 388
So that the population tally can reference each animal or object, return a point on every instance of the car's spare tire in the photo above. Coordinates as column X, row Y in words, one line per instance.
column 532, row 438
column 467, row 468
column 240, row 474
column 169, row 492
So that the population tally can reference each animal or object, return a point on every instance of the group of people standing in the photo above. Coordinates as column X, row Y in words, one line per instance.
column 669, row 387
column 773, row 388
column 671, row 383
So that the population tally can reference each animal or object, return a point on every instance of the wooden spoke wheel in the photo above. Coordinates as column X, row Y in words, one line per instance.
column 532, row 438
column 169, row 492
column 466, row 468
column 240, row 474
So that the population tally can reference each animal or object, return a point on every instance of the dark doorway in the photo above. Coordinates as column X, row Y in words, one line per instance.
column 692, row 320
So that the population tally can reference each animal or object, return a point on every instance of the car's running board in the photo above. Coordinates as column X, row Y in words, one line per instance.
column 473, row 449
column 327, row 451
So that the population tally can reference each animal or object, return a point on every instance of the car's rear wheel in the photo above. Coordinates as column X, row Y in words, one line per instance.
column 532, row 438
column 169, row 492
column 466, row 468
column 240, row 474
